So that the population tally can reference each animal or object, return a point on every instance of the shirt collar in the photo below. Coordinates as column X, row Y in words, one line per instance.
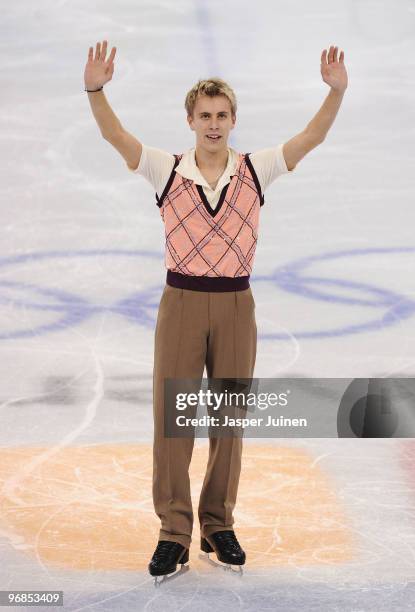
column 188, row 169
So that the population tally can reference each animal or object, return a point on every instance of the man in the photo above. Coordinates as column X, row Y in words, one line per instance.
column 209, row 200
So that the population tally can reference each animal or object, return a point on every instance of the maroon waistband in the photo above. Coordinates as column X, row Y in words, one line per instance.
column 207, row 283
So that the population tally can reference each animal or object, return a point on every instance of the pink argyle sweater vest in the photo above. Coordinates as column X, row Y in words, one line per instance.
column 220, row 242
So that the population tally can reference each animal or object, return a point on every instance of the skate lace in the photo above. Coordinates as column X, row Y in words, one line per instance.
column 163, row 550
column 229, row 539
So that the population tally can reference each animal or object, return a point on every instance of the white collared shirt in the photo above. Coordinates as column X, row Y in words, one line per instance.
column 188, row 168
column 156, row 166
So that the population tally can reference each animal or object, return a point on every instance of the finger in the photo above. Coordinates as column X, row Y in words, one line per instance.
column 112, row 55
column 335, row 54
column 97, row 51
column 330, row 54
column 104, row 51
column 90, row 54
column 324, row 56
column 110, row 69
column 341, row 58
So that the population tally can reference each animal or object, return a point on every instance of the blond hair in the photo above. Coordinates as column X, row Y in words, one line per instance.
column 210, row 87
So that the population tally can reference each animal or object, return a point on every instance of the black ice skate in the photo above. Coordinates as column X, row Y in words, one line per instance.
column 166, row 557
column 226, row 547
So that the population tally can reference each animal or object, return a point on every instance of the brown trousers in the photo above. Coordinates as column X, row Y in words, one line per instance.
column 194, row 329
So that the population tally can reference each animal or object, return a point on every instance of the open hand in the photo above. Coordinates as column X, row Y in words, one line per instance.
column 99, row 71
column 332, row 70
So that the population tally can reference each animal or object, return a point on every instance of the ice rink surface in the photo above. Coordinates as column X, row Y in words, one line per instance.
column 327, row 524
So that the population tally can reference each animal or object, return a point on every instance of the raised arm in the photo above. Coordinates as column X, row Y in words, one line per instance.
column 334, row 73
column 99, row 71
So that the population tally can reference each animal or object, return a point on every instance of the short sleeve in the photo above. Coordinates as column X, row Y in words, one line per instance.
column 155, row 166
column 269, row 164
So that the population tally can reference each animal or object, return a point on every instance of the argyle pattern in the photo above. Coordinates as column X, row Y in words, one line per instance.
column 201, row 241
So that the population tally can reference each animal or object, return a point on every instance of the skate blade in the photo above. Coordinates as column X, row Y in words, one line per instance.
column 159, row 580
column 226, row 567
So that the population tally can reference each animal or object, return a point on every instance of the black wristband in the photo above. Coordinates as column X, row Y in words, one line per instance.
column 91, row 90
